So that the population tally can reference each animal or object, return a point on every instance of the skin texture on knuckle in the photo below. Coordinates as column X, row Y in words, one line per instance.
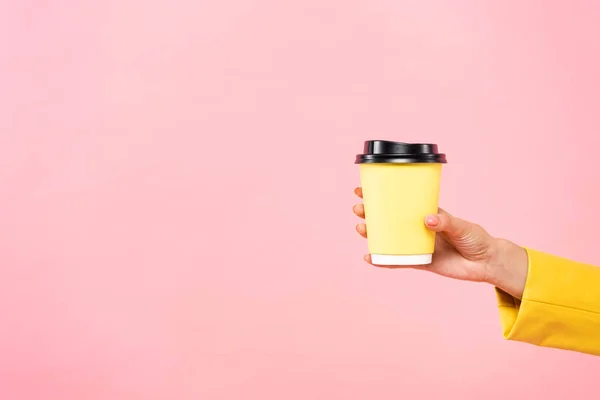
column 472, row 242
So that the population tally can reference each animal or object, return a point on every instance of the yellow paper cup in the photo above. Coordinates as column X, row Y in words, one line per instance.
column 401, row 185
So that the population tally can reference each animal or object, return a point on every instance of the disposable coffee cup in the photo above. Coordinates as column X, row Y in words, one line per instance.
column 401, row 185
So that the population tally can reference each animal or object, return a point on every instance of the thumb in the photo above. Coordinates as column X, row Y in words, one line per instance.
column 454, row 228
column 471, row 240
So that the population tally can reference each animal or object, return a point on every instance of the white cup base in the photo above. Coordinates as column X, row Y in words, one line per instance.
column 389, row 259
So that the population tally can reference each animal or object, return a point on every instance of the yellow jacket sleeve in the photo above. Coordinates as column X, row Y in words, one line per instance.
column 560, row 307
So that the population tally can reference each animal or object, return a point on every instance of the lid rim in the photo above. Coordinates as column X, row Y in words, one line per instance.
column 399, row 160
column 388, row 152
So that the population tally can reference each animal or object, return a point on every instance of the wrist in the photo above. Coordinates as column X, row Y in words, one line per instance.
column 507, row 267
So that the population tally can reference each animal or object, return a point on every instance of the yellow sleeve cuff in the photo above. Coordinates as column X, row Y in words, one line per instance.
column 560, row 307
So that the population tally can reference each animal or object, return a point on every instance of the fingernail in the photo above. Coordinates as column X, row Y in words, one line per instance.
column 432, row 220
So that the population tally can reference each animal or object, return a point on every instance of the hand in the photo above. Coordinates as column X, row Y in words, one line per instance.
column 465, row 251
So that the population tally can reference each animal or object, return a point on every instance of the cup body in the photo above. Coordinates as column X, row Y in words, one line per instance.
column 397, row 197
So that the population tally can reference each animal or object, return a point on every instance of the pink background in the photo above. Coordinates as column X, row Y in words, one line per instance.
column 176, row 189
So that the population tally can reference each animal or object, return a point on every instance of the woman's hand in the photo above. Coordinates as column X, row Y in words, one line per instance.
column 465, row 251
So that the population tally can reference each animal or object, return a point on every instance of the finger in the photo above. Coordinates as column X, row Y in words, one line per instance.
column 443, row 238
column 362, row 230
column 359, row 210
column 451, row 226
column 442, row 211
column 433, row 222
column 358, row 191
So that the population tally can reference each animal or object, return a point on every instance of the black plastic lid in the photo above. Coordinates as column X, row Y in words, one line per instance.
column 383, row 151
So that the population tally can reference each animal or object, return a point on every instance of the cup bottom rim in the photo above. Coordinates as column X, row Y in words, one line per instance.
column 401, row 259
